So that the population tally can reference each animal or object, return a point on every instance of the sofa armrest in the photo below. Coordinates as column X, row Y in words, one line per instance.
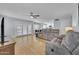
column 55, row 49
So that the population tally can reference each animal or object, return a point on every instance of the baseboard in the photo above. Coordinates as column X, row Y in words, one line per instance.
column 24, row 35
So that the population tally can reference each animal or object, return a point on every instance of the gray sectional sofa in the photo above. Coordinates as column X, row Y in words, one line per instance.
column 48, row 34
column 69, row 45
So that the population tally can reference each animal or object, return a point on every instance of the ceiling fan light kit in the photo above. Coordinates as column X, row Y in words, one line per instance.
column 34, row 15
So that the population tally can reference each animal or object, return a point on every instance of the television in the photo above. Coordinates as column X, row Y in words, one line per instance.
column 2, row 31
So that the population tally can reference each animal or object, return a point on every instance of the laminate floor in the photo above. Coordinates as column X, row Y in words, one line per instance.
column 29, row 45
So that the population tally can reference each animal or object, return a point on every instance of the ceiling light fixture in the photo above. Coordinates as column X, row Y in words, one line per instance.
column 34, row 15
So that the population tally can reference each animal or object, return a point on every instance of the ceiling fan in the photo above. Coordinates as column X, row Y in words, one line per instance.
column 32, row 15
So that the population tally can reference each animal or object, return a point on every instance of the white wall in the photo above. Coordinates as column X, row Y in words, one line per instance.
column 15, row 27
column 75, row 16
column 71, row 20
column 0, row 24
column 49, row 23
column 12, row 24
column 57, row 24
column 66, row 22
column 37, row 26
column 62, row 23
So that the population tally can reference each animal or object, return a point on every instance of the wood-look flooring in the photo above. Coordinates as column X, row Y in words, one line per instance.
column 29, row 45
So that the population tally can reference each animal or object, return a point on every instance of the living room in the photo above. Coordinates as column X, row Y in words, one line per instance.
column 32, row 28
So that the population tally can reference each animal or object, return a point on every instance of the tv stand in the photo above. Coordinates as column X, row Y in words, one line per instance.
column 8, row 48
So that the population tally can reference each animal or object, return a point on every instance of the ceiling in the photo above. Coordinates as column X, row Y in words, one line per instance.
column 47, row 11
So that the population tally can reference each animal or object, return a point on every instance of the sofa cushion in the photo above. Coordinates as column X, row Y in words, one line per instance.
column 76, row 51
column 71, row 40
column 54, row 48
